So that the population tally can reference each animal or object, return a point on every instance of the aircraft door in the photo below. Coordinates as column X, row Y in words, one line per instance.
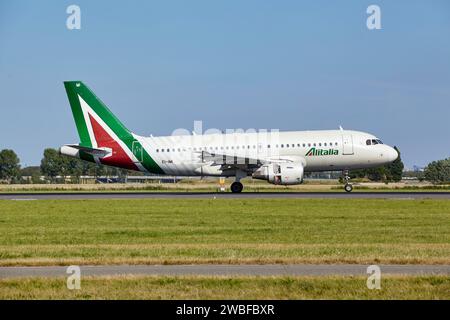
column 347, row 144
column 260, row 148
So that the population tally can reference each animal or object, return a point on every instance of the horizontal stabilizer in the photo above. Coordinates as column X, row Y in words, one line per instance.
column 96, row 152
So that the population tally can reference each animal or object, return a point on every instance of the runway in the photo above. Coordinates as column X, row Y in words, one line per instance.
column 224, row 270
column 216, row 195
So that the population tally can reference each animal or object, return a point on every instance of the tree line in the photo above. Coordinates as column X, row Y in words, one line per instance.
column 54, row 165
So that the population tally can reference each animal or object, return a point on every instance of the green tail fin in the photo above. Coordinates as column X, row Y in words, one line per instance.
column 99, row 127
column 82, row 99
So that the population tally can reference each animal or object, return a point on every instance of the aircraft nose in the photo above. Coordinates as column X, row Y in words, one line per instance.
column 392, row 154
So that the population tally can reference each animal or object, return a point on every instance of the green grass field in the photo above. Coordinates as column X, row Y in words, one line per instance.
column 432, row 287
column 157, row 231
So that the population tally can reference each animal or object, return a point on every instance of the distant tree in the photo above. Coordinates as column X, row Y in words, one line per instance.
column 29, row 171
column 31, row 174
column 394, row 170
column 9, row 165
column 72, row 167
column 36, row 178
column 438, row 171
column 52, row 164
column 377, row 174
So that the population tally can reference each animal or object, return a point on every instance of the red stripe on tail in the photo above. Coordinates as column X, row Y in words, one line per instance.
column 119, row 157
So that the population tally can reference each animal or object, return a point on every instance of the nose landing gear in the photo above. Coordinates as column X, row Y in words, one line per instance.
column 347, row 187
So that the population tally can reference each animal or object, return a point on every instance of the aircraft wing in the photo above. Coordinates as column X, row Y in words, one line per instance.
column 228, row 162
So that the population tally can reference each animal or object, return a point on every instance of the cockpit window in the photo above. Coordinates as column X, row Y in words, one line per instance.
column 373, row 142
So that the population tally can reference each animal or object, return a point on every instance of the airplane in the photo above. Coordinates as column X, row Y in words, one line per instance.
column 281, row 158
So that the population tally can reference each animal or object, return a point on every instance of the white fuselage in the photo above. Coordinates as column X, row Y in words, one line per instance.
column 321, row 150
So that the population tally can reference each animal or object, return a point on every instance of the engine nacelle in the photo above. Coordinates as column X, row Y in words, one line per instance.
column 288, row 173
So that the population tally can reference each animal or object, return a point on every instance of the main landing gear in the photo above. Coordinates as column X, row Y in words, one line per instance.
column 237, row 186
column 348, row 187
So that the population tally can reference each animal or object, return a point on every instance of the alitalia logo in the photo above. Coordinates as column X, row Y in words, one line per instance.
column 321, row 152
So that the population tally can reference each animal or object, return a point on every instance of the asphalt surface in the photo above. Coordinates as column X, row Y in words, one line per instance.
column 223, row 270
column 215, row 195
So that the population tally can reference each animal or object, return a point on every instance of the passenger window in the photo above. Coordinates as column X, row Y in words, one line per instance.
column 168, row 150
column 368, row 142
column 304, row 145
column 282, row 145
column 325, row 144
column 314, row 144
column 157, row 150
column 268, row 146
column 320, row 144
column 287, row 145
column 309, row 144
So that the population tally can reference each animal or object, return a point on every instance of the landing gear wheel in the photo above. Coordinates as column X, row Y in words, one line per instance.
column 236, row 187
column 348, row 187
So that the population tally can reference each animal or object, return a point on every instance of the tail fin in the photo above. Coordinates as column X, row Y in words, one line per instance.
column 103, row 138
column 90, row 112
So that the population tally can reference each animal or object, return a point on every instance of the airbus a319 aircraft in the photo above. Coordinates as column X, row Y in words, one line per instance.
column 281, row 158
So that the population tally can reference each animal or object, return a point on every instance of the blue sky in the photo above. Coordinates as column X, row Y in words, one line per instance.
column 290, row 65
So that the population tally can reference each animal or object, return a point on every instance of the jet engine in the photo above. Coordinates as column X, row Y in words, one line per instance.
column 288, row 173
